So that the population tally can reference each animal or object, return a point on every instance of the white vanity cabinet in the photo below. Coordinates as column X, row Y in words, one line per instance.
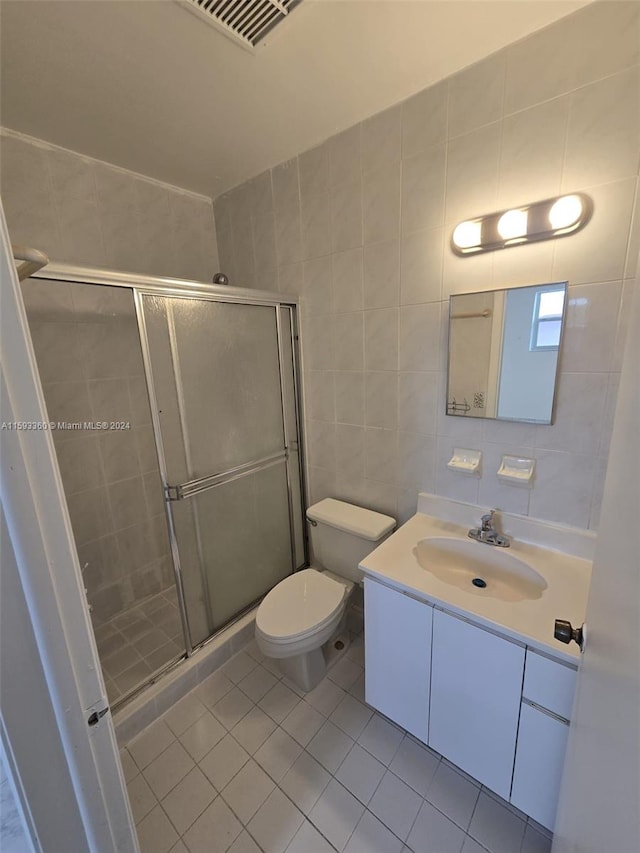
column 398, row 656
column 476, row 684
column 547, row 699
column 494, row 707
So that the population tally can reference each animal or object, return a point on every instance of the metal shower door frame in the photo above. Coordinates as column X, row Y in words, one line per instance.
column 140, row 283
column 193, row 487
column 290, row 441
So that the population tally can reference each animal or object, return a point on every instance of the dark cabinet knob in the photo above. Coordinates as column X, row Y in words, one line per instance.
column 565, row 632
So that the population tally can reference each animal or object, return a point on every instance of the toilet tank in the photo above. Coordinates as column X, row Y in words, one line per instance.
column 342, row 535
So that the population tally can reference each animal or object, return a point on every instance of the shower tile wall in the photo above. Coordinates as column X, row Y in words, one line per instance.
column 86, row 212
column 360, row 227
column 90, row 362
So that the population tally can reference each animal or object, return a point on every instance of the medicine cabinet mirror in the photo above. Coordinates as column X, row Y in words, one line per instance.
column 504, row 347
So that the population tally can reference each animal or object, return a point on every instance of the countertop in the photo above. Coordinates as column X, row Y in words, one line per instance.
column 528, row 621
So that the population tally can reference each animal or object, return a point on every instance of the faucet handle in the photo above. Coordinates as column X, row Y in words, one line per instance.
column 487, row 520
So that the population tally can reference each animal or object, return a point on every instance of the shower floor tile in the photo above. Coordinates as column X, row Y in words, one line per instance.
column 283, row 800
column 137, row 642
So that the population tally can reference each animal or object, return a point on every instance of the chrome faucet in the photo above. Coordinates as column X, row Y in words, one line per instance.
column 487, row 532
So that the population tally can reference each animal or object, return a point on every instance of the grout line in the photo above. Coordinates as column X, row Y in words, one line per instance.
column 332, row 775
column 633, row 221
column 50, row 146
column 574, row 89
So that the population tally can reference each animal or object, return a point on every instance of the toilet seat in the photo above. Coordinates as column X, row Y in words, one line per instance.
column 300, row 605
column 302, row 622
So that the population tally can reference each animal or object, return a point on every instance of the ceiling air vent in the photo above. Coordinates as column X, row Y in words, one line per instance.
column 247, row 22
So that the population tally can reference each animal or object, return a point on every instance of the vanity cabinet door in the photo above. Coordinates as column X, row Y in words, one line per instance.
column 397, row 656
column 476, row 683
column 542, row 741
column 549, row 684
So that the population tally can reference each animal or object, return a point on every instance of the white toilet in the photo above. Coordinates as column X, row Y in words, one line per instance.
column 297, row 621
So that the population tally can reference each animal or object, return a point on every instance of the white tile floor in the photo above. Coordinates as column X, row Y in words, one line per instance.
column 246, row 763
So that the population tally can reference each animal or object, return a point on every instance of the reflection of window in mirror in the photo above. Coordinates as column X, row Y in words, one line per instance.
column 547, row 319
column 504, row 351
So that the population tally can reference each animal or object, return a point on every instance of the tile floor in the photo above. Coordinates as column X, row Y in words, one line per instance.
column 138, row 642
column 247, row 763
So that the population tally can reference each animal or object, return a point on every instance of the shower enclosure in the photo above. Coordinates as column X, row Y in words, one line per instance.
column 176, row 419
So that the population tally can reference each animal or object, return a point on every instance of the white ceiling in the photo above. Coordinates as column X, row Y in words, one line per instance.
column 152, row 88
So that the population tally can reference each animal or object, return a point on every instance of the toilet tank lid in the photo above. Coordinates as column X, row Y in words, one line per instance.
column 351, row 519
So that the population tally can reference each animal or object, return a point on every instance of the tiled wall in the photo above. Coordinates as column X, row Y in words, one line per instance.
column 90, row 362
column 360, row 227
column 86, row 212
column 13, row 836
column 82, row 211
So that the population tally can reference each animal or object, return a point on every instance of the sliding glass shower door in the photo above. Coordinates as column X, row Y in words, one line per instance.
column 222, row 381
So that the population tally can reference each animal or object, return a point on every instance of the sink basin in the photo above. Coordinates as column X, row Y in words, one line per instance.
column 483, row 569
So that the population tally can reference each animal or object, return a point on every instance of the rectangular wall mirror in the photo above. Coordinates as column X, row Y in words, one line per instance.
column 503, row 352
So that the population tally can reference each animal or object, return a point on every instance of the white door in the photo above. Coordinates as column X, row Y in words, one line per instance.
column 476, row 685
column 599, row 796
column 398, row 656
column 66, row 772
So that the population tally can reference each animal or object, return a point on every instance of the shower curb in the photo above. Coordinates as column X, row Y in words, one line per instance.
column 149, row 705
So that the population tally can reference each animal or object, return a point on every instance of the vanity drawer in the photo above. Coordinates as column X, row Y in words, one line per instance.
column 542, row 743
column 549, row 684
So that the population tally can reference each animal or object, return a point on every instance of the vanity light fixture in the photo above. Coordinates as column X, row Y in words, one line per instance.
column 513, row 224
column 566, row 211
column 542, row 220
column 467, row 235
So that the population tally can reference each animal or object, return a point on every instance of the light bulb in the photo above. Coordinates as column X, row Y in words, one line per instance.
column 466, row 235
column 566, row 211
column 513, row 224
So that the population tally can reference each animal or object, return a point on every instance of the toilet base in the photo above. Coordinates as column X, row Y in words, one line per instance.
column 307, row 670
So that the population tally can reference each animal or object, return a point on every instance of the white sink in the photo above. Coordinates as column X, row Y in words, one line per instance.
column 476, row 567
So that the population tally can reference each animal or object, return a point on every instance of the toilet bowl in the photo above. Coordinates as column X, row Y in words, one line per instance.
column 298, row 620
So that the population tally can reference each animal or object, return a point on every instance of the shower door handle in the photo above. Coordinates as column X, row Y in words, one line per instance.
column 193, row 487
